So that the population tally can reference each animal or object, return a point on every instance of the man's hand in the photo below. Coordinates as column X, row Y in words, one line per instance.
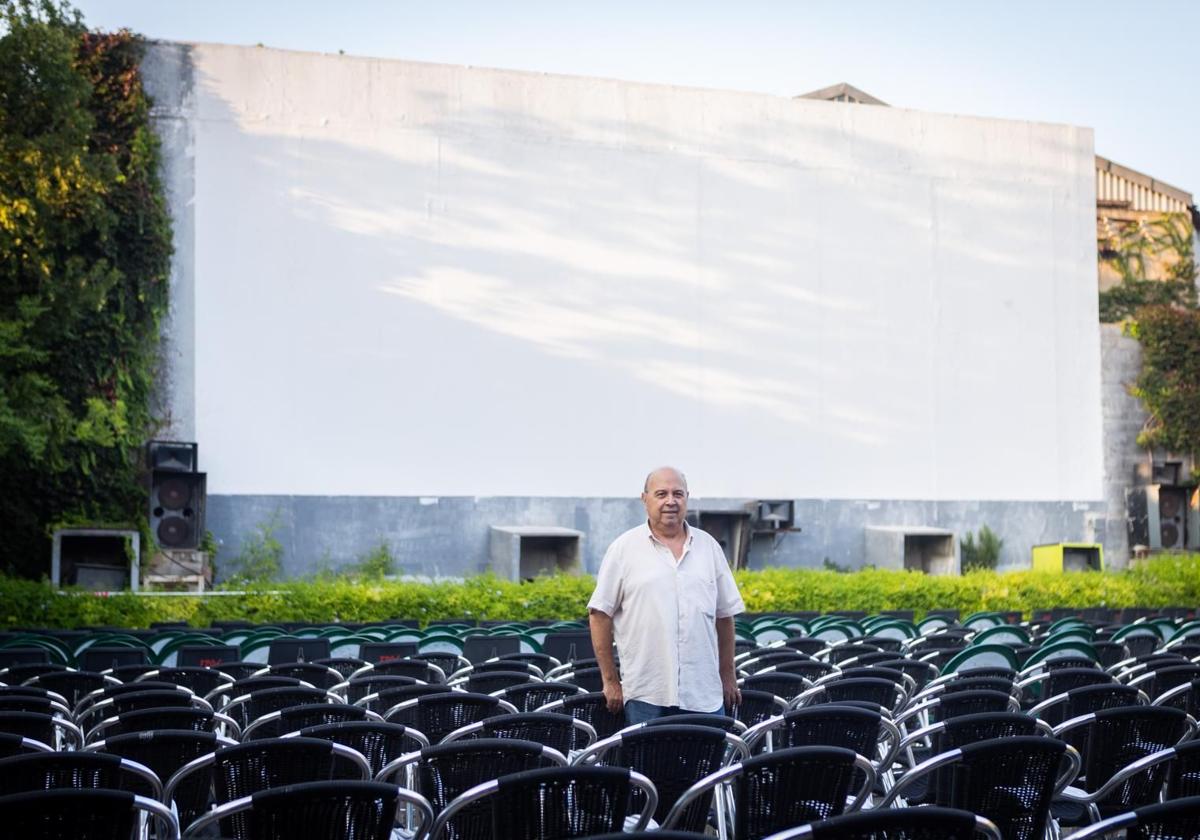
column 730, row 690
column 613, row 696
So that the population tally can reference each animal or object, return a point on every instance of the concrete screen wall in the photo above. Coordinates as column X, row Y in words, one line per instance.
column 407, row 282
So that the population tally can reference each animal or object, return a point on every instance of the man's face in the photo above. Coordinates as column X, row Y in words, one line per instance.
column 665, row 499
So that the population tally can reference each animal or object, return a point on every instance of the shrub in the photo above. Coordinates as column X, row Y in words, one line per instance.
column 376, row 564
column 260, row 558
column 1164, row 581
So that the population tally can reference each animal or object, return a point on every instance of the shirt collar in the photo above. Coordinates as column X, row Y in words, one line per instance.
column 687, row 530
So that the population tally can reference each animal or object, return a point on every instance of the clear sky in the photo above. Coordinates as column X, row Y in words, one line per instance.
column 1128, row 70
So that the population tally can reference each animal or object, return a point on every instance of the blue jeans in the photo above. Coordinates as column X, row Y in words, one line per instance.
column 639, row 711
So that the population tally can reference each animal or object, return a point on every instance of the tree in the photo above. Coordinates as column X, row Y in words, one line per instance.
column 84, row 260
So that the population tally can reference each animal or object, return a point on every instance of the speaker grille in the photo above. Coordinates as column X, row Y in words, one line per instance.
column 175, row 532
column 175, row 493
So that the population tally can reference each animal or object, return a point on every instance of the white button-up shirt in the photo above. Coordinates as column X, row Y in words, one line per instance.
column 664, row 616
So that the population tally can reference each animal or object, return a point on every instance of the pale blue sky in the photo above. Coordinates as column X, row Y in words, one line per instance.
column 1128, row 70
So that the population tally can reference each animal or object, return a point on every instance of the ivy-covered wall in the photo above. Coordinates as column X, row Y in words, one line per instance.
column 84, row 258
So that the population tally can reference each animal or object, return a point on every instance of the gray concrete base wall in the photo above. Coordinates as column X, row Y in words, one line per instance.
column 450, row 536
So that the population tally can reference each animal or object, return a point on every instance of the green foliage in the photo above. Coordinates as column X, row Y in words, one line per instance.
column 982, row 552
column 376, row 564
column 260, row 559
column 1167, row 239
column 1169, row 382
column 1164, row 581
column 84, row 258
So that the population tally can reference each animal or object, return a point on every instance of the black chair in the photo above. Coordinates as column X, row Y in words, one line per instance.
column 42, row 704
column 1158, row 682
column 1083, row 701
column 592, row 708
column 233, row 772
column 180, row 698
column 757, row 706
column 378, row 742
column 356, row 688
column 56, row 732
column 533, row 696
column 249, row 707
column 412, row 667
column 446, row 661
column 239, row 670
column 785, row 788
column 1174, row 820
column 773, row 657
column 723, row 722
column 501, row 664
column 11, row 745
column 222, row 695
column 559, row 802
column 812, row 670
column 946, row 706
column 82, row 815
column 898, row 824
column 317, row 811
column 344, row 665
column 78, row 771
column 166, row 717
column 489, row 682
column 1010, row 781
column 202, row 681
column 320, row 676
column 295, row 718
column 543, row 661
column 437, row 715
column 672, row 757
column 165, row 751
column 562, row 732
column 779, row 683
column 443, row 772
column 884, row 692
column 1115, row 740
column 589, row 679
column 73, row 685
column 833, row 725
column 806, row 644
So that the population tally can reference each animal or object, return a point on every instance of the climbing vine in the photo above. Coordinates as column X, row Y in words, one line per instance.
column 84, row 259
column 1169, row 384
column 1162, row 246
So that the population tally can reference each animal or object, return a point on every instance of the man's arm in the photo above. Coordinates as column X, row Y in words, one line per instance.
column 725, row 634
column 601, row 625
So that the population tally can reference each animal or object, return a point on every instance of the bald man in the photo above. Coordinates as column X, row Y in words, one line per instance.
column 665, row 594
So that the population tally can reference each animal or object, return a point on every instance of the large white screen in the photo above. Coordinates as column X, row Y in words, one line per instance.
column 414, row 279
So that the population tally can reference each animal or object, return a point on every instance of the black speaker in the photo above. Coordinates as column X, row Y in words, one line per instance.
column 173, row 455
column 177, row 508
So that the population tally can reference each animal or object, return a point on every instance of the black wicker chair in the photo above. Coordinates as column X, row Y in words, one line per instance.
column 202, row 681
column 437, row 715
column 854, row 728
column 381, row 700
column 592, row 708
column 166, row 717
column 56, row 732
column 785, row 788
column 317, row 811
column 561, row 732
column 1010, row 781
column 315, row 674
column 883, row 692
column 674, row 758
column 757, row 706
column 247, row 708
column 295, row 718
column 1175, row 820
column 81, row 815
column 344, row 665
column 489, row 682
column 533, row 696
column 420, row 669
column 444, row 772
column 1083, row 701
column 237, row 771
column 378, row 742
column 559, row 802
column 898, row 824
column 73, row 685
column 774, row 657
column 723, row 722
column 781, row 684
column 1115, row 740
column 356, row 688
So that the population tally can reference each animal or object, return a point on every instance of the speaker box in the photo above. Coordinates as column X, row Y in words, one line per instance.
column 1172, row 516
column 173, row 456
column 177, row 508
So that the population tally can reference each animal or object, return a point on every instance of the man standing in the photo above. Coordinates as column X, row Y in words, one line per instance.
column 667, row 597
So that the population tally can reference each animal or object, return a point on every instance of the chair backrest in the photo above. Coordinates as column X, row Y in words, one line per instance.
column 249, row 707
column 81, row 814
column 561, row 732
column 486, row 682
column 321, row 676
column 757, row 706
column 972, row 702
column 445, row 771
column 166, row 717
column 674, row 758
column 379, row 742
column 829, row 725
column 247, row 768
column 295, row 718
column 163, row 751
column 1118, row 737
column 421, row 670
column 46, row 728
column 316, row 811
column 788, row 787
column 555, row 802
column 781, row 684
column 723, row 722
column 534, row 695
column 73, row 685
column 592, row 708
column 77, row 770
column 1164, row 821
column 11, row 745
column 929, row 823
column 200, row 680
column 437, row 715
column 358, row 687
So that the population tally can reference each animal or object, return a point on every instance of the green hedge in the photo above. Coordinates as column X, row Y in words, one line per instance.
column 1164, row 581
